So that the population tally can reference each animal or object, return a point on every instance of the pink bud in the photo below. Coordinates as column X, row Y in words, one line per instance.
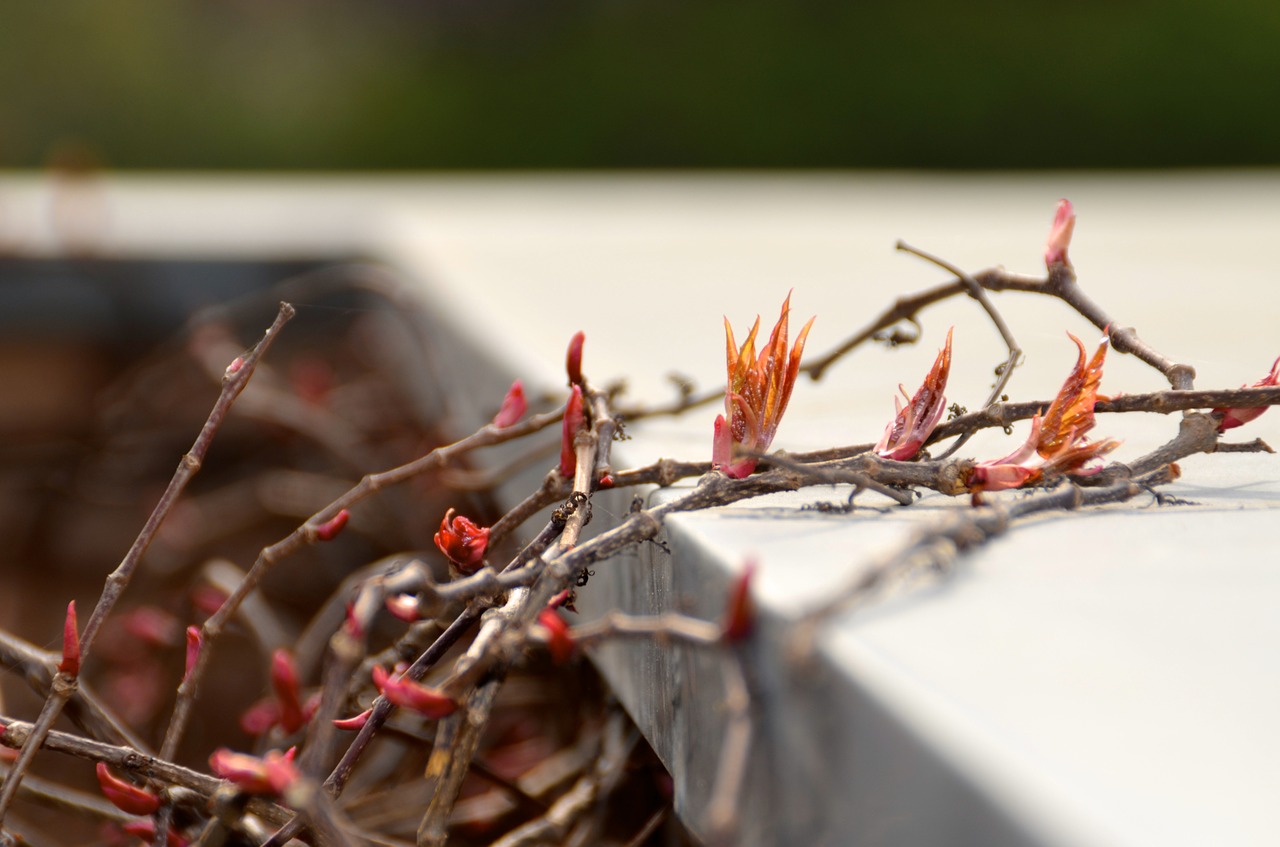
column 739, row 615
column 355, row 723
column 236, row 364
column 463, row 541
column 404, row 692
column 354, row 623
column 403, row 607
column 1055, row 249
column 573, row 361
column 280, row 770
column 70, row 663
column 559, row 642
column 513, row 407
column 312, row 380
column 329, row 530
column 260, row 717
column 152, row 625
column 126, row 796
column 284, row 679
column 574, row 421
column 267, row 775
column 1234, row 417
column 208, row 599
column 194, row 643
column 564, row 600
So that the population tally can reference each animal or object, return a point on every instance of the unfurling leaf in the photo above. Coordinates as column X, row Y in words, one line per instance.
column 757, row 390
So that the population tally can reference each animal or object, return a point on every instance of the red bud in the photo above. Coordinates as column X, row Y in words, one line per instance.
column 739, row 617
column 260, row 717
column 1055, row 249
column 152, row 625
column 573, row 361
column 559, row 642
column 513, row 407
column 70, row 663
column 355, row 723
column 126, row 796
column 270, row 774
column 207, row 599
column 194, row 643
column 564, row 600
column 329, row 530
column 284, row 679
column 463, row 541
column 403, row 691
column 403, row 606
column 574, row 420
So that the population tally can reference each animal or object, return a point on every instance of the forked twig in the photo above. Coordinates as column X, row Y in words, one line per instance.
column 63, row 686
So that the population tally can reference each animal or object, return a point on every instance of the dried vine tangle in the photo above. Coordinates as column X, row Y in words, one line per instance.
column 503, row 605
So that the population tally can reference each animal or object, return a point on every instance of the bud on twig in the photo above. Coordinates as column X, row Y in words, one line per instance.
column 1055, row 249
column 559, row 642
column 329, row 530
column 574, row 421
column 284, row 680
column 271, row 774
column 126, row 796
column 70, row 663
column 194, row 643
column 513, row 406
column 404, row 692
column 403, row 607
column 1234, row 417
column 573, row 360
column 463, row 541
column 354, row 724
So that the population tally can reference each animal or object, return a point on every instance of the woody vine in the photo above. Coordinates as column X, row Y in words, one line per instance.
column 501, row 593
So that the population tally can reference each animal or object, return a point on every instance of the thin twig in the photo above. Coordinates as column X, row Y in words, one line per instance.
column 305, row 534
column 1005, row 370
column 127, row 760
column 1003, row 415
column 234, row 380
column 84, row 709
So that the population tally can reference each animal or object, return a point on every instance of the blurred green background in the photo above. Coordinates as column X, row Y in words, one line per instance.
column 394, row 84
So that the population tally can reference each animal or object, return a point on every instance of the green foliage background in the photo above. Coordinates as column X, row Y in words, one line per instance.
column 390, row 84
